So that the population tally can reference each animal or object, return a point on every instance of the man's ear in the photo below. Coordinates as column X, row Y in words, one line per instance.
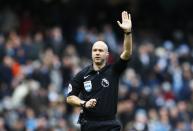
column 107, row 54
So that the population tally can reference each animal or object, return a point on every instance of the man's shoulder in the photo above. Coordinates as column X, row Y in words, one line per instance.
column 84, row 70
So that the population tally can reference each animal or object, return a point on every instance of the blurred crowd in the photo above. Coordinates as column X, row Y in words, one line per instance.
column 155, row 92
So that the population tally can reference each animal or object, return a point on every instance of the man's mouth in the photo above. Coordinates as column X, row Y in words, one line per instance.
column 97, row 57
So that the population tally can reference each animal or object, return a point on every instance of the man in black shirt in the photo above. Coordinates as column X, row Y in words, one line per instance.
column 95, row 88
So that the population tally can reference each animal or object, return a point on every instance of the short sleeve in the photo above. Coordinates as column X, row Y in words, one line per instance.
column 120, row 66
column 75, row 85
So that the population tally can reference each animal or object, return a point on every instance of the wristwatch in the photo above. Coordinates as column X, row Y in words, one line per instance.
column 83, row 104
column 128, row 33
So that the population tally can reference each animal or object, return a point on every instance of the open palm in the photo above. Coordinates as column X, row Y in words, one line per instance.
column 126, row 22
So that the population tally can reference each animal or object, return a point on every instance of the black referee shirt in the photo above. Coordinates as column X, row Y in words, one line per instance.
column 101, row 85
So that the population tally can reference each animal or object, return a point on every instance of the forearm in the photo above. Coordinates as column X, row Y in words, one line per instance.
column 74, row 100
column 127, row 47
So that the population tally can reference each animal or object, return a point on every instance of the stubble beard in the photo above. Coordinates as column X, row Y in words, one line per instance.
column 100, row 63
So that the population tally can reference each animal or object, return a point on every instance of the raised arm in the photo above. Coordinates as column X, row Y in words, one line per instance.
column 126, row 26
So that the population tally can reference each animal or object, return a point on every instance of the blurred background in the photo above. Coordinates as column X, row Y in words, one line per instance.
column 44, row 43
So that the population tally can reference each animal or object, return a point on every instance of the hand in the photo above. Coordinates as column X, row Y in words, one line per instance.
column 91, row 103
column 126, row 22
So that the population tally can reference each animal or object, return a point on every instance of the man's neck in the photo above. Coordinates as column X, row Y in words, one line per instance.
column 98, row 67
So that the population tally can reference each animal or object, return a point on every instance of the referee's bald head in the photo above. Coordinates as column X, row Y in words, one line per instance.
column 100, row 44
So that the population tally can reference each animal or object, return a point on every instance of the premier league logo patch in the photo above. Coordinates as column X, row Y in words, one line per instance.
column 88, row 86
column 105, row 82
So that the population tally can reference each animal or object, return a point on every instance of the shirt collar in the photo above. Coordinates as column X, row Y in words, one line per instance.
column 91, row 69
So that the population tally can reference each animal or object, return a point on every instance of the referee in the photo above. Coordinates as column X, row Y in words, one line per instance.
column 95, row 88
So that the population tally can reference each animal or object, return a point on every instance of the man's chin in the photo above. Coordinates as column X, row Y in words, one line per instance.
column 98, row 63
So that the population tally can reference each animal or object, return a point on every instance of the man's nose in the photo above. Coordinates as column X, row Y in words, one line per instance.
column 97, row 52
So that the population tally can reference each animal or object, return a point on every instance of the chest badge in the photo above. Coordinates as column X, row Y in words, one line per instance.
column 88, row 86
column 105, row 82
column 69, row 88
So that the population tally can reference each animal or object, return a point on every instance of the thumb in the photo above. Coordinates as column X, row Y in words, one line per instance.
column 119, row 23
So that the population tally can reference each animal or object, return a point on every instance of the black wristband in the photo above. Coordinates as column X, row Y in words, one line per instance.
column 127, row 33
column 83, row 105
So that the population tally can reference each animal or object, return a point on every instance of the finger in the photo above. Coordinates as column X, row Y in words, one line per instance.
column 122, row 15
column 126, row 15
column 94, row 104
column 119, row 23
column 93, row 100
column 91, row 105
column 129, row 16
